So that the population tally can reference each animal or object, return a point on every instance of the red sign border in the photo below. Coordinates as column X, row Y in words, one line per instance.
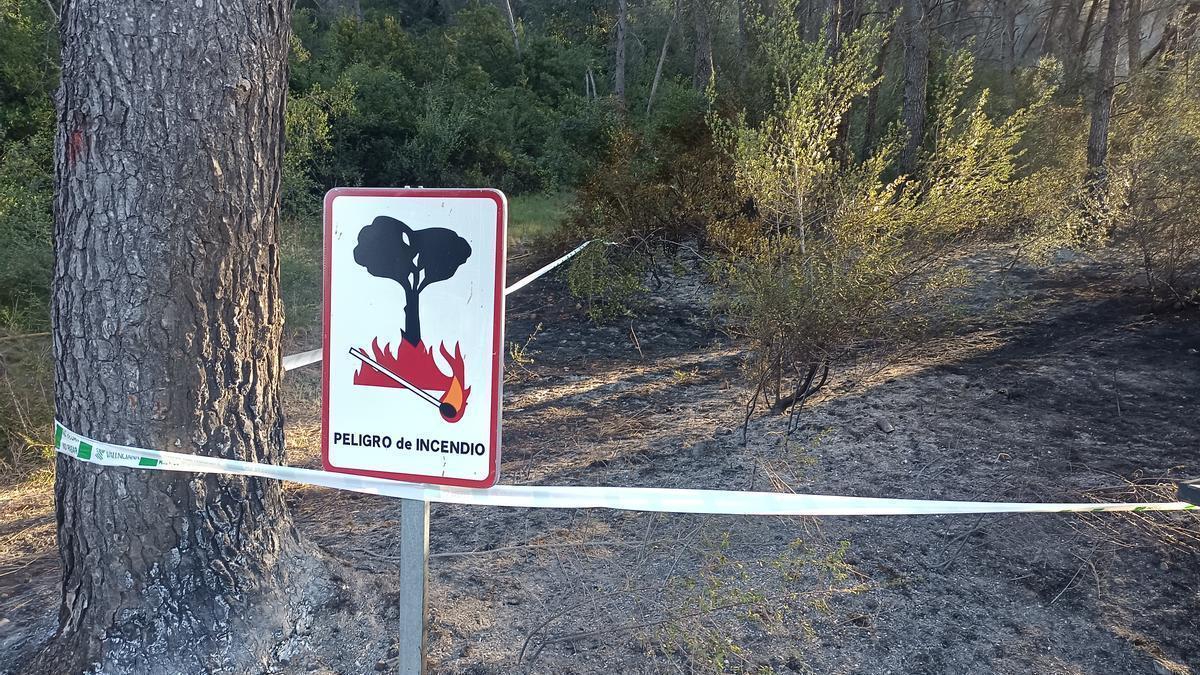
column 497, row 336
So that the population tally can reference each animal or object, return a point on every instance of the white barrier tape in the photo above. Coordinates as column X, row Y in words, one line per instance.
column 294, row 361
column 663, row 500
column 542, row 272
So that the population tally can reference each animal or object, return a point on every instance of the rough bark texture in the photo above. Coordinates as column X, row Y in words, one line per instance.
column 916, row 79
column 167, row 334
column 1008, row 9
column 1097, row 147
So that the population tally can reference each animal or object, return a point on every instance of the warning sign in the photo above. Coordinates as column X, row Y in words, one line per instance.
column 414, row 326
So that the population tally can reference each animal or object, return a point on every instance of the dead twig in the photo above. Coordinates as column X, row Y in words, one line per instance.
column 1079, row 571
column 24, row 336
column 520, row 547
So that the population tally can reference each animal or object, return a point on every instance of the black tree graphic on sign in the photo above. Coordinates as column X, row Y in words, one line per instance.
column 413, row 258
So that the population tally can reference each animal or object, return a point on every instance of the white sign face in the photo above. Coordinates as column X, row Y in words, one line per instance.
column 414, row 328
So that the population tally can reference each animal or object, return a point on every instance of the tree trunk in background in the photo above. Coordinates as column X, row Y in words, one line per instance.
column 916, row 78
column 834, row 9
column 871, row 113
column 1049, row 39
column 1182, row 29
column 1078, row 54
column 619, row 71
column 843, row 17
column 1009, row 10
column 1097, row 147
column 662, row 59
column 166, row 324
column 744, row 18
column 703, row 68
column 1133, row 26
column 512, row 26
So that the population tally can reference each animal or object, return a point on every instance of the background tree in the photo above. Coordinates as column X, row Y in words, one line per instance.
column 1102, row 100
column 915, row 24
column 703, row 68
column 166, row 322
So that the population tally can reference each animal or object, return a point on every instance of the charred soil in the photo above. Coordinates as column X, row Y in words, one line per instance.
column 1060, row 386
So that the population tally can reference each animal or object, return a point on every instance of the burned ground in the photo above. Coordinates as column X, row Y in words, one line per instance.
column 1059, row 387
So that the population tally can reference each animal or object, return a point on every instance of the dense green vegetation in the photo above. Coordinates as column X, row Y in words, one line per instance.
column 830, row 160
column 28, row 75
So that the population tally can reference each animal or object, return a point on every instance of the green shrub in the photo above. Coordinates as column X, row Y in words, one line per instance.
column 607, row 282
column 837, row 258
column 1153, row 201
column 26, row 221
column 656, row 189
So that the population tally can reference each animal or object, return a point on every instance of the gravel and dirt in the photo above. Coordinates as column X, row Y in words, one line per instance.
column 1060, row 386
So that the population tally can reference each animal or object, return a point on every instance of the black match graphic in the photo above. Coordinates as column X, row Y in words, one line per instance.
column 390, row 249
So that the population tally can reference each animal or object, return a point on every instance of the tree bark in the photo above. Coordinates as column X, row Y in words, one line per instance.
column 166, row 323
column 703, row 68
column 619, row 71
column 916, row 79
column 1097, row 147
column 1049, row 39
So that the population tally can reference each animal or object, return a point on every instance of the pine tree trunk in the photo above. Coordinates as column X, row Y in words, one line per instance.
column 167, row 322
column 1074, row 66
column 1097, row 147
column 916, row 79
column 842, row 21
column 1009, row 9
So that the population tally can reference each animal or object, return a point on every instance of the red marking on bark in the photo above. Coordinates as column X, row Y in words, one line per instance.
column 75, row 146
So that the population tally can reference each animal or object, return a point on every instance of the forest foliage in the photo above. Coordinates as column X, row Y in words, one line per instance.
column 829, row 160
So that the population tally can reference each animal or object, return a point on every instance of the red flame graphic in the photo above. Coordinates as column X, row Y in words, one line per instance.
column 416, row 364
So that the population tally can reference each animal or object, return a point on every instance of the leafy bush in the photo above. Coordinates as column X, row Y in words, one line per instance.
column 28, row 73
column 607, row 282
column 449, row 104
column 1154, row 187
column 657, row 188
column 837, row 257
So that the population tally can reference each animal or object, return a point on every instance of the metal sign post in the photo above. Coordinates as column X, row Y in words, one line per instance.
column 414, row 580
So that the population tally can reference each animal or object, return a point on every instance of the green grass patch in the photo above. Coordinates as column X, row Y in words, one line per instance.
column 536, row 216
column 300, row 285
